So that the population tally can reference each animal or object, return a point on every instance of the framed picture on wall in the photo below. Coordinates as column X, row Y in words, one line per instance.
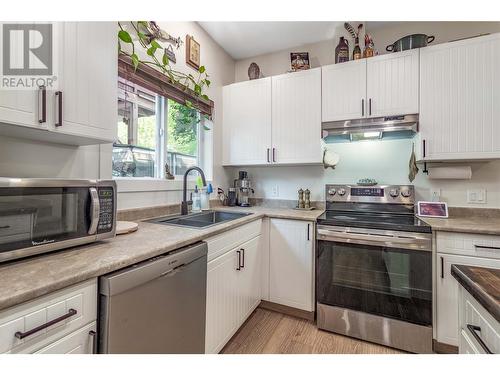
column 299, row 61
column 192, row 52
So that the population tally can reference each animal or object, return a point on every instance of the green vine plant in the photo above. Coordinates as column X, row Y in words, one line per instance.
column 149, row 42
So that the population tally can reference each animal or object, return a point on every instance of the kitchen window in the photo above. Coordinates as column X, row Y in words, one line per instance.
column 154, row 131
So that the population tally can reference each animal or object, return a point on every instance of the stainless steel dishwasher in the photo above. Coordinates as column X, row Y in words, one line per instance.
column 157, row 306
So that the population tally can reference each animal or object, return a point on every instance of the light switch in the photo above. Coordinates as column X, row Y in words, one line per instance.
column 476, row 196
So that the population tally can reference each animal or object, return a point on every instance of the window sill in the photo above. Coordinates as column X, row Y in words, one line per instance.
column 145, row 184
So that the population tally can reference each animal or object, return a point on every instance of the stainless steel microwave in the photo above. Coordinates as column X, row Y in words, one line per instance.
column 39, row 215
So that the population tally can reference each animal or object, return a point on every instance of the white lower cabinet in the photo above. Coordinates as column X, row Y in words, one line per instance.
column 291, row 266
column 82, row 341
column 479, row 330
column 233, row 292
column 60, row 322
column 461, row 249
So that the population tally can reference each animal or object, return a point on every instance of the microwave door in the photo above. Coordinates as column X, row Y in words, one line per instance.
column 38, row 216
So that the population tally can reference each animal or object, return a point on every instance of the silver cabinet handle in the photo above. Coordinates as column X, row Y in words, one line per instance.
column 42, row 104
column 370, row 107
column 95, row 208
column 93, row 334
column 362, row 107
column 274, row 155
column 268, row 158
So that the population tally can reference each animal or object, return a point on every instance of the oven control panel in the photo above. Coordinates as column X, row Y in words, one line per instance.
column 401, row 194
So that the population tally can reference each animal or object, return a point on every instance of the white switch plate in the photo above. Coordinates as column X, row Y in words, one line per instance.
column 275, row 192
column 476, row 196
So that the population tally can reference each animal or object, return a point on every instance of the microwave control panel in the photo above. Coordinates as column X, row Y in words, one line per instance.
column 107, row 209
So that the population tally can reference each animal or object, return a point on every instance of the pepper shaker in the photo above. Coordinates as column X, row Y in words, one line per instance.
column 301, row 199
column 307, row 199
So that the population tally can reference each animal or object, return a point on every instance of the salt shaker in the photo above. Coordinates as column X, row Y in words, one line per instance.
column 307, row 199
column 301, row 198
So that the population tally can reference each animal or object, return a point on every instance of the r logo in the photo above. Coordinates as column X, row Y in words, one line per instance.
column 27, row 49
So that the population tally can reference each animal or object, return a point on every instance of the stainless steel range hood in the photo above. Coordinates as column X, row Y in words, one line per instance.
column 393, row 127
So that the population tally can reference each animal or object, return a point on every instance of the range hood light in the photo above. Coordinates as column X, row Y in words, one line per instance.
column 371, row 134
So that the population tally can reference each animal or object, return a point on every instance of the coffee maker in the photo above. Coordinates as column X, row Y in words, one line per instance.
column 243, row 188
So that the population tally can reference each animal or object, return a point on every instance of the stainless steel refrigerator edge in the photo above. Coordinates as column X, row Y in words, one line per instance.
column 157, row 306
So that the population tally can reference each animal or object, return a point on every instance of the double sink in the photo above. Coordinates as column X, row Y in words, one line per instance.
column 200, row 220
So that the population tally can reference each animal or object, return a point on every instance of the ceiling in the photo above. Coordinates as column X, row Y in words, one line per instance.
column 247, row 39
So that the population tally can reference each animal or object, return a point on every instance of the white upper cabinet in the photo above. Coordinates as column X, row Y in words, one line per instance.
column 392, row 84
column 460, row 99
column 82, row 108
column 88, row 67
column 296, row 117
column 344, row 91
column 247, row 123
column 21, row 107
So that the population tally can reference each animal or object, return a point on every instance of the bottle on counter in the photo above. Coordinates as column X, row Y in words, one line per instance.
column 301, row 202
column 196, row 198
column 307, row 199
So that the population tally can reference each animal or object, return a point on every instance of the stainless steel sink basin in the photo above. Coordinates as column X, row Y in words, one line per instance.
column 200, row 220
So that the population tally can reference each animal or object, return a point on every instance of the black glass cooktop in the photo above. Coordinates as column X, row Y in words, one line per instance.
column 388, row 221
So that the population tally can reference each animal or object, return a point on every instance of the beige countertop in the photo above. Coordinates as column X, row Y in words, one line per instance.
column 463, row 220
column 26, row 279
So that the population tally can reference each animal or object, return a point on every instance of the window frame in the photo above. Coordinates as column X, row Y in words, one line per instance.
column 161, row 150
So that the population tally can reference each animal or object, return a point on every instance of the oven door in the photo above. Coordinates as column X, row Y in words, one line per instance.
column 38, row 219
column 385, row 273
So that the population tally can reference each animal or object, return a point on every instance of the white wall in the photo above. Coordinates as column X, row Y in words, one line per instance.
column 22, row 158
column 323, row 53
column 386, row 161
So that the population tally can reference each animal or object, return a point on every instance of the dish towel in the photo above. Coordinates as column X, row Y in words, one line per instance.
column 413, row 164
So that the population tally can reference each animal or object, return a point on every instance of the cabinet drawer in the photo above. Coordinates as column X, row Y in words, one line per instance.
column 224, row 242
column 14, row 224
column 22, row 318
column 481, row 245
column 476, row 315
column 79, row 342
column 467, row 345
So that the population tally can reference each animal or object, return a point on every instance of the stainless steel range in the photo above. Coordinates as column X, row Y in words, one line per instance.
column 374, row 267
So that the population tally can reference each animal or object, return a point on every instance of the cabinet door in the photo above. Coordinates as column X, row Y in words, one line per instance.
column 247, row 122
column 249, row 278
column 296, row 130
column 447, row 294
column 459, row 96
column 344, row 91
column 222, row 296
column 291, row 263
column 88, row 80
column 20, row 107
column 392, row 84
column 78, row 342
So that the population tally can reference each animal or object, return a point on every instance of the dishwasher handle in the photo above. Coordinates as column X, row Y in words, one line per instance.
column 141, row 273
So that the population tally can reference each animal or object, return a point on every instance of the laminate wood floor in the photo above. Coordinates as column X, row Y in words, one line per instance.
column 271, row 332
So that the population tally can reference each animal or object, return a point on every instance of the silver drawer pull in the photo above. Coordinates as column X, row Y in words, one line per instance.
column 474, row 330
column 21, row 335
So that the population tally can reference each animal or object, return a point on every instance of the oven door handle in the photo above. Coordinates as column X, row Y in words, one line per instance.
column 95, row 208
column 375, row 240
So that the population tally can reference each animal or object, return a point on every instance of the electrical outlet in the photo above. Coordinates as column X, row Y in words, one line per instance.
column 476, row 196
column 435, row 195
column 275, row 192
